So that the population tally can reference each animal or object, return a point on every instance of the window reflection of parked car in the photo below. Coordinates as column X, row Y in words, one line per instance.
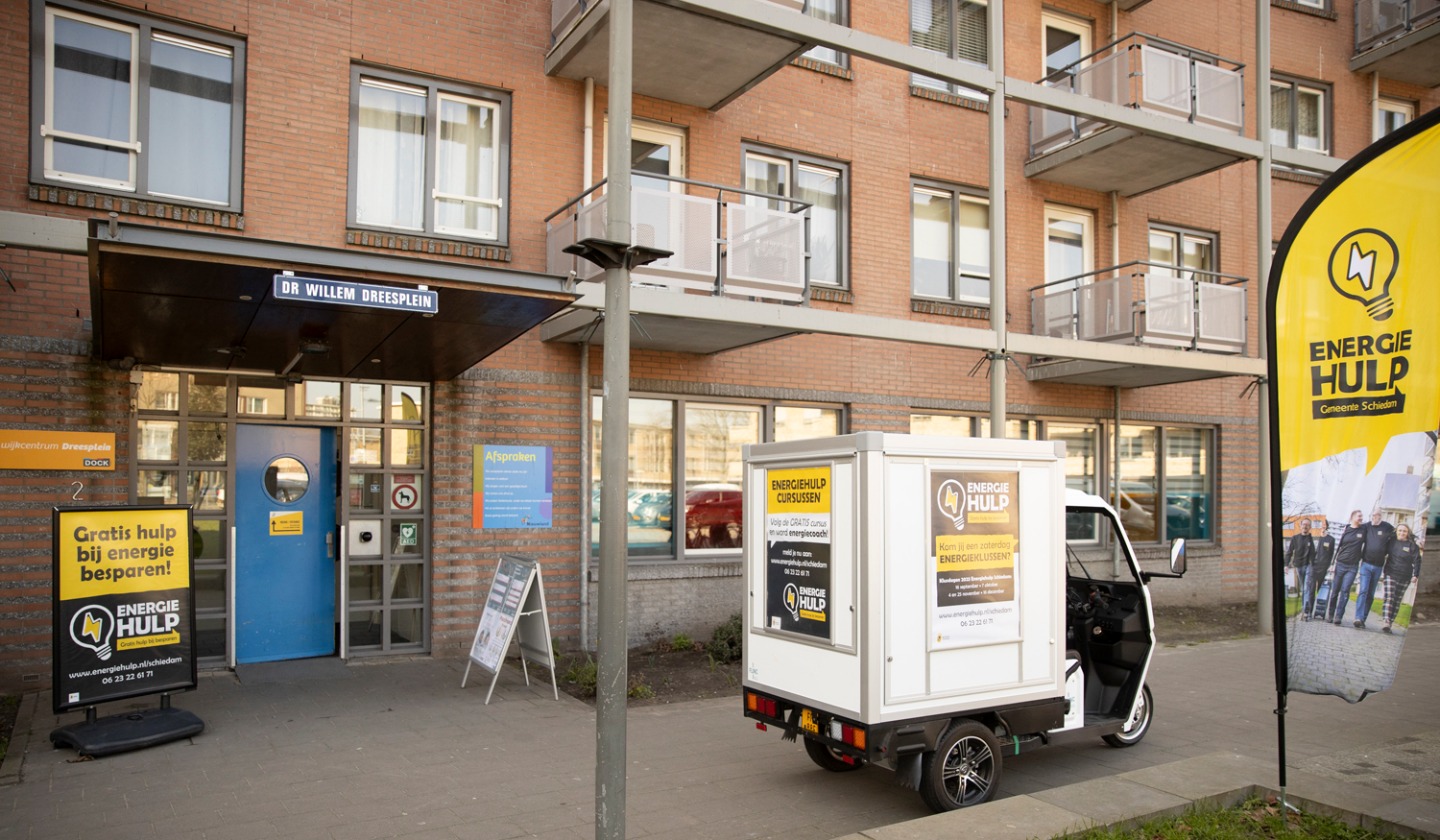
column 713, row 516
column 657, row 513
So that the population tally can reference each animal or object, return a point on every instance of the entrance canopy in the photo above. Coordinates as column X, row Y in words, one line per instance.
column 173, row 297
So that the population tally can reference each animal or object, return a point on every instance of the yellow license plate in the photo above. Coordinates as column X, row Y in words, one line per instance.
column 808, row 722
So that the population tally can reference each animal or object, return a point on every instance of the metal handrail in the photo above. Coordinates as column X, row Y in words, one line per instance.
column 1136, row 36
column 1229, row 279
column 796, row 205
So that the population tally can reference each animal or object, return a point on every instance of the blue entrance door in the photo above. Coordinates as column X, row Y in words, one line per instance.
column 284, row 543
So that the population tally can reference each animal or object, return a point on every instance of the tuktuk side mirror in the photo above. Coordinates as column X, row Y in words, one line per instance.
column 1177, row 556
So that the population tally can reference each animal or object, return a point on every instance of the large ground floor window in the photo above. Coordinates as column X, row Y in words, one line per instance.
column 1166, row 474
column 194, row 447
column 685, row 469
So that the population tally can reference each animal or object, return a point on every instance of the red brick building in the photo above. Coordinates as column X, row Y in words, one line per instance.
column 825, row 179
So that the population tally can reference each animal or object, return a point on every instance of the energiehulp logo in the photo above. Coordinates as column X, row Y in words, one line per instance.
column 93, row 627
column 950, row 499
column 1361, row 267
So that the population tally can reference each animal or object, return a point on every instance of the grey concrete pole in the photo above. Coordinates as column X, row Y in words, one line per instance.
column 996, row 34
column 1264, row 585
column 612, row 636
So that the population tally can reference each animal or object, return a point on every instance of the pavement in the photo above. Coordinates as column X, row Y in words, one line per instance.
column 321, row 749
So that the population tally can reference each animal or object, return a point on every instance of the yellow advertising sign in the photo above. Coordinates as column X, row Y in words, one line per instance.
column 21, row 449
column 798, row 491
column 105, row 552
column 1355, row 301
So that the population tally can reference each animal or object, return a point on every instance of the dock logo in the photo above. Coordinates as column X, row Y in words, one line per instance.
column 93, row 627
column 950, row 499
column 1361, row 268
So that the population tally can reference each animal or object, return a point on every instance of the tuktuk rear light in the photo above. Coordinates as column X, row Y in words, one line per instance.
column 847, row 734
column 761, row 705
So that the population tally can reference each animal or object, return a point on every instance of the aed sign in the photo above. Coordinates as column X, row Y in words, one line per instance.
column 124, row 613
column 26, row 450
column 315, row 290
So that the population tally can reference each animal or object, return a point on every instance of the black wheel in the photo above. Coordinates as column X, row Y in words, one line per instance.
column 829, row 759
column 964, row 770
column 1137, row 725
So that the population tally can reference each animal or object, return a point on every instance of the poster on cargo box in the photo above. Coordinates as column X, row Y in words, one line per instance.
column 797, row 551
column 124, row 614
column 975, row 536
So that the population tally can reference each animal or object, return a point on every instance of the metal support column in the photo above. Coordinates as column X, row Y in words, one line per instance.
column 996, row 36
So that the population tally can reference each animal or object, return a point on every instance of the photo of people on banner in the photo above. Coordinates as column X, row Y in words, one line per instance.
column 1355, row 402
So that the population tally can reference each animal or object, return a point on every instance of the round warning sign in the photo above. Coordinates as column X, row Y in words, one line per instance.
column 404, row 496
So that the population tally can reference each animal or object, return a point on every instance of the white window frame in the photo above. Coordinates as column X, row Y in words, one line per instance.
column 662, row 134
column 434, row 93
column 1086, row 220
column 1178, row 237
column 1386, row 104
column 1065, row 23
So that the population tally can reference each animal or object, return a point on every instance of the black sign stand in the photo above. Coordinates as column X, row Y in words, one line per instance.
column 135, row 730
column 124, row 619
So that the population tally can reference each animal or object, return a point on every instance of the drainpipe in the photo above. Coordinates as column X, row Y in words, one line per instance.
column 587, row 514
column 586, row 479
column 1115, row 479
column 587, row 175
column 996, row 36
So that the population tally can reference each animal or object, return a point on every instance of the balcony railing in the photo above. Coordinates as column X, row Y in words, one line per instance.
column 1145, row 303
column 1148, row 73
column 723, row 242
column 1379, row 21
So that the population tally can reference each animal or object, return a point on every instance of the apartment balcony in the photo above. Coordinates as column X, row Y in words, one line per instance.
column 1139, row 303
column 1399, row 39
column 1152, row 75
column 724, row 243
column 679, row 55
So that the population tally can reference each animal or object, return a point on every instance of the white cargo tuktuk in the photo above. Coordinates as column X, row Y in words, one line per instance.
column 912, row 603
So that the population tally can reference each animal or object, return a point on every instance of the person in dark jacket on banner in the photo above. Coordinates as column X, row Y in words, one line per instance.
column 1298, row 556
column 1402, row 568
column 1378, row 535
column 1347, row 563
column 1324, row 551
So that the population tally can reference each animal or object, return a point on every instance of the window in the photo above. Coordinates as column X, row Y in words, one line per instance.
column 427, row 158
column 1172, row 465
column 830, row 11
column 1067, row 40
column 1390, row 114
column 1181, row 249
column 820, row 184
column 134, row 105
column 1299, row 115
column 695, row 447
column 953, row 28
column 950, row 242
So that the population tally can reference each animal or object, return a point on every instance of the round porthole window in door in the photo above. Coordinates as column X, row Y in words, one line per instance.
column 286, row 479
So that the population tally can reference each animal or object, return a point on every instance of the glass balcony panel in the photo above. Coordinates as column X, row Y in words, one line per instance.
column 1104, row 310
column 1219, row 97
column 1169, row 310
column 767, row 253
column 1222, row 318
column 1165, row 82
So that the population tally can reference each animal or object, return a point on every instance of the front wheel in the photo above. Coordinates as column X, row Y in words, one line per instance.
column 829, row 759
column 1137, row 725
column 963, row 770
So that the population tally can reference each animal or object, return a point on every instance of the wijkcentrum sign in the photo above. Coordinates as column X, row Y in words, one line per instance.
column 315, row 290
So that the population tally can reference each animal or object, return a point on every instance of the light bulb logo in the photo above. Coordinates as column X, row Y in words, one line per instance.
column 950, row 498
column 792, row 600
column 92, row 627
column 1361, row 268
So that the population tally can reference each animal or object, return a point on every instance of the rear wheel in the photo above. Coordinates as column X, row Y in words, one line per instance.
column 829, row 759
column 1137, row 725
column 963, row 770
